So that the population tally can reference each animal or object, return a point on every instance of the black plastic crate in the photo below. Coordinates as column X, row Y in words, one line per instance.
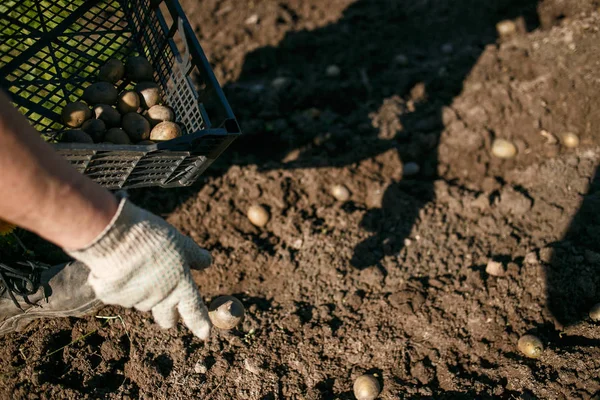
column 51, row 50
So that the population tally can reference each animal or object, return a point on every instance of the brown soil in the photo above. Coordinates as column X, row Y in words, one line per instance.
column 393, row 281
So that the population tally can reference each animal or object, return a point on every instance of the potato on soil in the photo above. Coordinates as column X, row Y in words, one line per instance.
column 77, row 136
column 258, row 215
column 340, row 192
column 100, row 93
column 139, row 69
column 502, row 148
column 108, row 114
column 96, row 128
column 595, row 312
column 117, row 136
column 112, row 71
column 531, row 346
column 157, row 114
column 165, row 131
column 128, row 101
column 136, row 126
column 149, row 94
column 569, row 140
column 366, row 387
column 226, row 312
column 75, row 114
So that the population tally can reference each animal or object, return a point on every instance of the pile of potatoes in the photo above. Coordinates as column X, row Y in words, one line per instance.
column 130, row 117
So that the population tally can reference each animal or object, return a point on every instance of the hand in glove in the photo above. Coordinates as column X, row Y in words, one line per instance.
column 141, row 261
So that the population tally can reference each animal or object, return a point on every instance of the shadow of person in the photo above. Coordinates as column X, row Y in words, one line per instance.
column 573, row 271
column 397, row 66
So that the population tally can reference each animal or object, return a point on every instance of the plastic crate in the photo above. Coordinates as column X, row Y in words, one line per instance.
column 51, row 50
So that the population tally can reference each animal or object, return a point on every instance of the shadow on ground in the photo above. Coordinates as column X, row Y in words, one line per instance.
column 573, row 272
column 440, row 42
column 314, row 120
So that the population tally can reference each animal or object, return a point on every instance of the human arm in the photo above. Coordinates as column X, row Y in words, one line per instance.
column 42, row 192
column 136, row 259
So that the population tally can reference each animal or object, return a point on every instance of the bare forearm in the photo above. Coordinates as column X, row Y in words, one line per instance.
column 41, row 192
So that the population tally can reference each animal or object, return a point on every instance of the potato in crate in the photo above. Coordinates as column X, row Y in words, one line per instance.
column 121, row 88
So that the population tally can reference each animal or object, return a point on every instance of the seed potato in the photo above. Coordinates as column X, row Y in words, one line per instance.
column 258, row 215
column 75, row 114
column 128, row 101
column 157, row 114
column 333, row 71
column 112, row 71
column 504, row 149
column 595, row 312
column 226, row 312
column 366, row 387
column 340, row 192
column 96, row 128
column 165, row 131
column 76, row 136
column 136, row 126
column 117, row 136
column 149, row 93
column 108, row 114
column 100, row 93
column 569, row 140
column 531, row 346
column 139, row 69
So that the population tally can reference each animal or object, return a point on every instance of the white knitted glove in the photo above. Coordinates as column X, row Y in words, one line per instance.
column 141, row 261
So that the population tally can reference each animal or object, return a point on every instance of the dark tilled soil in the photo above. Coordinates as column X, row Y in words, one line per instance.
column 394, row 280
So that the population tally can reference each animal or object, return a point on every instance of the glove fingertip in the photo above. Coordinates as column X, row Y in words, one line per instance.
column 195, row 315
column 197, row 321
column 202, row 330
column 199, row 258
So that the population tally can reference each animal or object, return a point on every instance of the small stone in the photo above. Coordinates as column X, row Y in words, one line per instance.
column 512, row 269
column 490, row 184
column 200, row 367
column 506, row 28
column 401, row 60
column 418, row 92
column 569, row 140
column 407, row 242
column 257, row 88
column 389, row 246
column 595, row 313
column 494, row 268
column 531, row 258
column 410, row 169
column 280, row 82
column 504, row 149
column 252, row 366
column 550, row 138
column 252, row 20
column 482, row 202
column 511, row 201
column 333, row 71
column 592, row 257
column 447, row 48
column 546, row 255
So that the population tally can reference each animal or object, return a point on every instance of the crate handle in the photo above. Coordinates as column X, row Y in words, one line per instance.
column 185, row 63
